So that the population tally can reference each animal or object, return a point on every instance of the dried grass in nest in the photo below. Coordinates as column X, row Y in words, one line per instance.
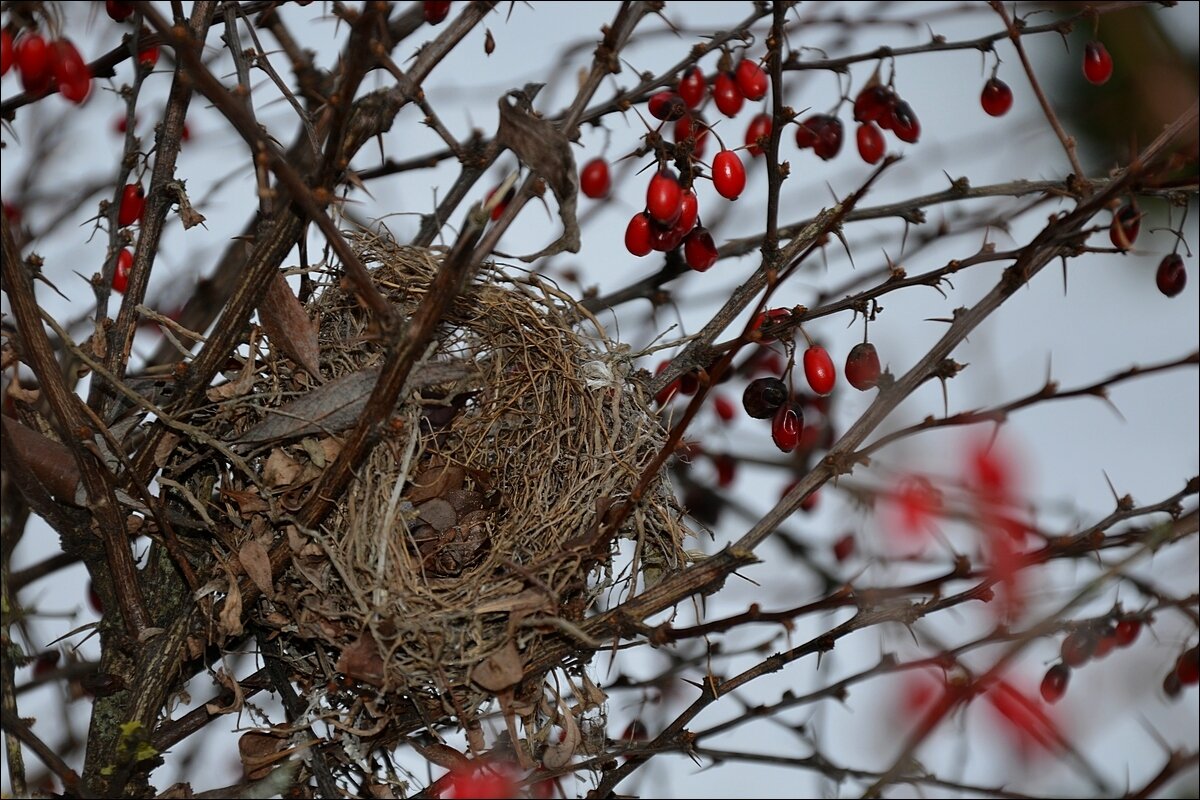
column 448, row 547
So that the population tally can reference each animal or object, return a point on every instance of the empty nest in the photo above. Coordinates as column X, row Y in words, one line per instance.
column 448, row 557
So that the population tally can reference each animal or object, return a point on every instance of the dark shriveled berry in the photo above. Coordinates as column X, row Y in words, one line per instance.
column 1171, row 277
column 763, row 397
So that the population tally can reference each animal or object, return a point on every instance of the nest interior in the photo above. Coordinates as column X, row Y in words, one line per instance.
column 449, row 546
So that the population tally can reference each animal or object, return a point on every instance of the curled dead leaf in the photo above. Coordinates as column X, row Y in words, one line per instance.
column 257, row 563
column 500, row 670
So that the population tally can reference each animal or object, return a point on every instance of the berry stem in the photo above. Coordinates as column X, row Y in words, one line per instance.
column 1068, row 142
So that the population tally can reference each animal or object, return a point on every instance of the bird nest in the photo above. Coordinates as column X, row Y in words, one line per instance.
column 455, row 549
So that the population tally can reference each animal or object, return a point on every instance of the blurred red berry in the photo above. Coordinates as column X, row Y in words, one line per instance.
column 594, row 179
column 436, row 10
column 1054, row 685
column 692, row 87
column 1097, row 63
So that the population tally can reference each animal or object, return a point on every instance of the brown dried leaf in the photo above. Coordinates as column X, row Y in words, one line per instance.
column 362, row 661
column 241, row 385
column 544, row 149
column 500, row 670
column 162, row 452
column 560, row 753
column 176, row 791
column 288, row 326
column 50, row 462
column 438, row 513
column 257, row 563
column 248, row 501
column 464, row 500
column 521, row 604
column 336, row 405
column 259, row 750
column 435, row 482
column 281, row 469
column 229, row 684
column 230, row 622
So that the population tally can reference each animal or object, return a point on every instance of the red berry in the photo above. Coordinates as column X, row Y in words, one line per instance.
column 12, row 213
column 996, row 98
column 1127, row 631
column 670, row 390
column 751, row 80
column 94, row 600
column 6, row 52
column 771, row 317
column 594, row 180
column 1187, row 669
column 436, row 11
column 821, row 132
column 1054, row 685
column 637, row 234
column 1171, row 277
column 729, row 176
column 498, row 210
column 818, row 369
column 664, row 197
column 692, row 86
column 1171, row 684
column 1126, row 223
column 726, row 469
column 727, row 95
column 862, row 367
column 120, row 281
column 667, row 106
column 133, row 202
column 873, row 103
column 45, row 663
column 1078, row 647
column 664, row 238
column 763, row 397
column 692, row 127
column 810, row 502
column 118, row 11
column 870, row 143
column 723, row 406
column 1097, row 63
column 71, row 72
column 905, row 124
column 1106, row 640
column 699, row 250
column 481, row 780
column 757, row 134
column 689, row 212
column 844, row 547
column 34, row 63
column 787, row 425
column 689, row 383
column 148, row 56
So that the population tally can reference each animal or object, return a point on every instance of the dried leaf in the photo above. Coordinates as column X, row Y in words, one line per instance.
column 438, row 513
column 560, row 753
column 316, row 454
column 241, row 385
column 257, row 563
column 336, row 405
column 229, row 684
column 259, row 750
column 464, row 500
column 362, row 661
column 230, row 622
column 248, row 501
column 521, row 604
column 50, row 462
column 288, row 326
column 435, row 482
column 281, row 469
column 544, row 149
column 500, row 670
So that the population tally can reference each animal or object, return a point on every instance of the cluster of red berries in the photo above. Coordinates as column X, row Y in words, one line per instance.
column 1087, row 643
column 44, row 64
column 1171, row 277
column 671, row 218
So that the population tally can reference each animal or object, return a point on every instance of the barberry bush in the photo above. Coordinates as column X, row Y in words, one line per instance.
column 901, row 291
